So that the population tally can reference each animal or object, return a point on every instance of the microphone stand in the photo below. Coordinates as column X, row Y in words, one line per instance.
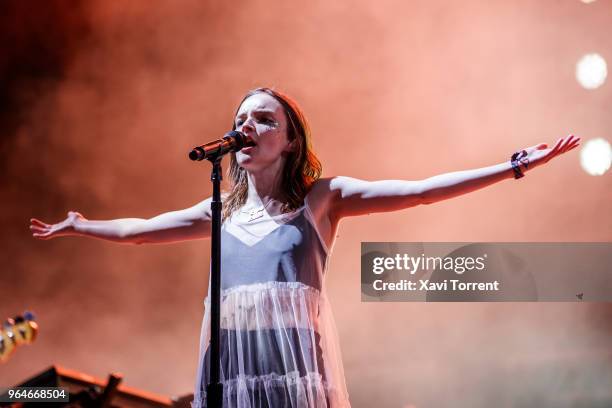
column 214, row 389
column 213, row 152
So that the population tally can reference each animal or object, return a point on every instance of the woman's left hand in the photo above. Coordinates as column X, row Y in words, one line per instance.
column 541, row 154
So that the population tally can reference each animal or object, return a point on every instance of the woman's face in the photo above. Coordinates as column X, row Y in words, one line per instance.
column 262, row 118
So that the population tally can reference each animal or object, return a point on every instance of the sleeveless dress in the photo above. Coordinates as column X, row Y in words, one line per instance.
column 279, row 345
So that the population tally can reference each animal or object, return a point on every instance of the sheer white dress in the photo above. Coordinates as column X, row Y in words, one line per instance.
column 279, row 345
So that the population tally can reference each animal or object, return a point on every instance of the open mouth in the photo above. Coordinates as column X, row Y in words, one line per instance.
column 249, row 141
column 249, row 145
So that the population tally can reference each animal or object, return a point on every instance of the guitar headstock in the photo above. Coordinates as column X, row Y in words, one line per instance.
column 15, row 332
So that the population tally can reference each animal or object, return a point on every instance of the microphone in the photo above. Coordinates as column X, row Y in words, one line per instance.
column 231, row 142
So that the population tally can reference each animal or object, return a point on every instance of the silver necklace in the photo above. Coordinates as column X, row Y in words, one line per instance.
column 256, row 213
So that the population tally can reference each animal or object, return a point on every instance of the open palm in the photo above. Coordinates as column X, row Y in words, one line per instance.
column 42, row 230
column 541, row 153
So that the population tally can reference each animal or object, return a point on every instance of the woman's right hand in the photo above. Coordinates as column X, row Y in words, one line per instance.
column 43, row 230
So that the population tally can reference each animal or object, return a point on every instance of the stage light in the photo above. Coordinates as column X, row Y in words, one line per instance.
column 588, row 1
column 596, row 156
column 591, row 71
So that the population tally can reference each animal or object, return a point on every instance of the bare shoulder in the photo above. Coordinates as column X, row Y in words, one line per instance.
column 336, row 186
column 320, row 197
column 326, row 194
column 322, row 201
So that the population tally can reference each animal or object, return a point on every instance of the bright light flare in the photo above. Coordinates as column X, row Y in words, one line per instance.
column 591, row 71
column 596, row 156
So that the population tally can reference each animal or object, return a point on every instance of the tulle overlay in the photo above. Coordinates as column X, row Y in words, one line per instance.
column 274, row 351
column 279, row 346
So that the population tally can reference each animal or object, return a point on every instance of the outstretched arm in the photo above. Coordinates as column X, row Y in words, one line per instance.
column 356, row 197
column 182, row 225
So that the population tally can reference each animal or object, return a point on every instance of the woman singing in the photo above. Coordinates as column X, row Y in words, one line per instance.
column 278, row 337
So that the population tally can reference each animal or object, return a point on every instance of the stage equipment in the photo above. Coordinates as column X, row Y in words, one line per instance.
column 15, row 332
column 90, row 392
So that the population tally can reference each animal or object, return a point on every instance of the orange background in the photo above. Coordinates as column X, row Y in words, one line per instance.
column 101, row 102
